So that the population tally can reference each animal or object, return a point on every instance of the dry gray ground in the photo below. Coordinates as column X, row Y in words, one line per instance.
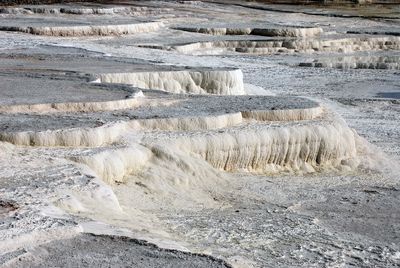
column 87, row 250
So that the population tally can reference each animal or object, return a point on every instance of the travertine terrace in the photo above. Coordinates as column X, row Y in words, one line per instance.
column 199, row 134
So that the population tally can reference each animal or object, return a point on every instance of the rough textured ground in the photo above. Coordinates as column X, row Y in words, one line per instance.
column 96, row 251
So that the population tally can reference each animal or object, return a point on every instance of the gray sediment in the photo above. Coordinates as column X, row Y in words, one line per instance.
column 108, row 251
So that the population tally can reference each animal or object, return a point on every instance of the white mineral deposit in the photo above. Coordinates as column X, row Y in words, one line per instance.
column 199, row 133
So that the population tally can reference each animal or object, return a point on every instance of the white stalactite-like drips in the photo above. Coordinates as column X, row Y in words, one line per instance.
column 87, row 30
column 220, row 82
